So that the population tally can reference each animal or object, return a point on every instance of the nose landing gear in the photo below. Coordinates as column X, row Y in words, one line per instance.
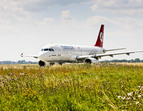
column 41, row 63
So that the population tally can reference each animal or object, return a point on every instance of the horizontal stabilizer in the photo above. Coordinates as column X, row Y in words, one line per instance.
column 35, row 56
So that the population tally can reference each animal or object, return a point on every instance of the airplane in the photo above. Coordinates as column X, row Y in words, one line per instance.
column 60, row 53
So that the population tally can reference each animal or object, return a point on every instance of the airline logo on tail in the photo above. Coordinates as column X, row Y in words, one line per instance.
column 101, row 37
column 99, row 42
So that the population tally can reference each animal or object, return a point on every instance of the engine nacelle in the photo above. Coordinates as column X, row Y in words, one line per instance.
column 90, row 60
column 41, row 63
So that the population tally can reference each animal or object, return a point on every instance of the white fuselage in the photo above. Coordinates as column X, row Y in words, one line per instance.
column 67, row 53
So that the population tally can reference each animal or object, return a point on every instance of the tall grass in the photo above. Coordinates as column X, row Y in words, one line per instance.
column 76, row 87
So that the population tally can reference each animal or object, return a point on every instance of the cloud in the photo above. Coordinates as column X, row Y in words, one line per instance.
column 15, row 12
column 47, row 21
column 66, row 17
column 95, row 20
column 11, row 10
column 11, row 16
column 40, row 5
column 124, row 24
column 119, row 6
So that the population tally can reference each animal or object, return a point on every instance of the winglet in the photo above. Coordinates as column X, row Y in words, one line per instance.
column 35, row 56
column 99, row 42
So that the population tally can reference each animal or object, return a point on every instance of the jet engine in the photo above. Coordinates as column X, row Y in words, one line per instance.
column 41, row 63
column 90, row 60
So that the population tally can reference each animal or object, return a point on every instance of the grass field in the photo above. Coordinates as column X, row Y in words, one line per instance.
column 74, row 87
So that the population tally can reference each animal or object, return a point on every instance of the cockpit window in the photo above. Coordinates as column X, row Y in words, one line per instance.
column 51, row 49
column 47, row 49
column 42, row 49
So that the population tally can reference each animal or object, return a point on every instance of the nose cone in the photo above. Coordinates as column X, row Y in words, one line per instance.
column 43, row 56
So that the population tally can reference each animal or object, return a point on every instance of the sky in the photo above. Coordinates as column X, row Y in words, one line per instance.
column 28, row 25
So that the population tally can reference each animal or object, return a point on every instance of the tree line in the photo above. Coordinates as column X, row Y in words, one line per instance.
column 137, row 60
column 17, row 62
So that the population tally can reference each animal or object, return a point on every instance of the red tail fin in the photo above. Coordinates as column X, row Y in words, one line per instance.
column 99, row 42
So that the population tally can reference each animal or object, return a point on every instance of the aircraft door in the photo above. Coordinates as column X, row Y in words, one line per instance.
column 78, row 51
column 58, row 54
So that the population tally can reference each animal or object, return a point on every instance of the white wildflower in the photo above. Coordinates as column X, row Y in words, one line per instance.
column 7, row 77
column 22, row 74
column 119, row 97
column 138, row 87
column 123, row 98
column 129, row 98
column 137, row 103
column 130, row 94
column 139, row 96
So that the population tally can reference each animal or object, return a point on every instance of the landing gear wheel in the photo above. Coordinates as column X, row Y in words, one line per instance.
column 51, row 63
column 41, row 63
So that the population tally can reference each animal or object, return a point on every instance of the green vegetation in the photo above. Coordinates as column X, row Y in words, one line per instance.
column 76, row 87
column 137, row 60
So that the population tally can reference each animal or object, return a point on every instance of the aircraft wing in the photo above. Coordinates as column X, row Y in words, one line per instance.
column 35, row 56
column 84, row 57
column 99, row 56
